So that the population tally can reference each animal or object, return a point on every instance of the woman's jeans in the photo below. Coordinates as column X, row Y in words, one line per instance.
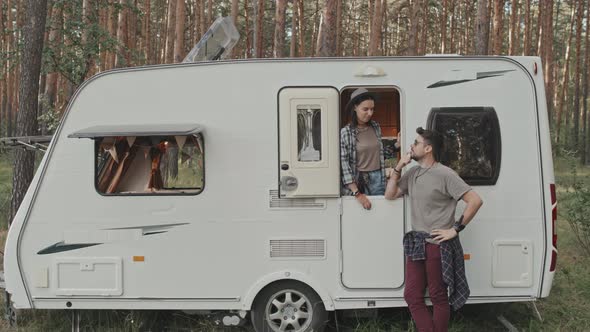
column 373, row 183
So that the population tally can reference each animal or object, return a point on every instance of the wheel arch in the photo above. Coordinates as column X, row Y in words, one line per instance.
column 285, row 276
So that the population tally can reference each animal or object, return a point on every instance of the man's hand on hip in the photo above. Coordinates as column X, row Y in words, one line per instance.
column 441, row 235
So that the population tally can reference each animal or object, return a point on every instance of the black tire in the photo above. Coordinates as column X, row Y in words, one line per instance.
column 303, row 310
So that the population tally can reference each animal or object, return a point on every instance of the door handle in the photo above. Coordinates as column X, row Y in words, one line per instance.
column 289, row 183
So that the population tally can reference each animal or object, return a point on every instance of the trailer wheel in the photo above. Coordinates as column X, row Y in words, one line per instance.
column 288, row 306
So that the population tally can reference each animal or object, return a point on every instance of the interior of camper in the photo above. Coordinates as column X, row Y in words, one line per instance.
column 127, row 165
column 387, row 115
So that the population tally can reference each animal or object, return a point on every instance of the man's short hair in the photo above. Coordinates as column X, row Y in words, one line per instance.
column 432, row 138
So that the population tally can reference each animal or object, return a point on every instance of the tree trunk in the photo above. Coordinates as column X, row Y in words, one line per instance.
column 24, row 163
column 8, row 40
column 413, row 33
column 258, row 33
column 565, row 78
column 148, row 33
column 202, row 18
column 248, row 52
column 512, row 43
column 584, row 155
column 131, row 30
column 339, row 5
column 170, row 31
column 443, row 26
column 210, row 12
column 469, row 31
column 576, row 108
column 197, row 21
column 293, row 41
column 482, row 28
column 315, row 30
column 234, row 18
column 376, row 31
column 121, row 35
column 526, row 44
column 279, row 38
column 549, row 69
column 498, row 27
column 301, row 31
column 179, row 51
column 2, row 75
column 539, row 29
column 423, row 28
column 453, row 30
column 326, row 45
column 370, row 17
column 50, row 93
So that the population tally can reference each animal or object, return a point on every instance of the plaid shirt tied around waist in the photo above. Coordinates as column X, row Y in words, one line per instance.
column 452, row 261
column 348, row 159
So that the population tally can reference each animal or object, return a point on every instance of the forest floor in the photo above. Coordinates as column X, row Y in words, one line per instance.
column 566, row 308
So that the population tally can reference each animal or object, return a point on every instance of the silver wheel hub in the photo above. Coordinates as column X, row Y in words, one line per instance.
column 288, row 310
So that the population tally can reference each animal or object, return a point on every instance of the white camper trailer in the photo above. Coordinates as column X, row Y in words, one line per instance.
column 216, row 186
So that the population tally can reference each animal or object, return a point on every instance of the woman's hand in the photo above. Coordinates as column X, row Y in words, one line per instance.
column 364, row 200
column 441, row 235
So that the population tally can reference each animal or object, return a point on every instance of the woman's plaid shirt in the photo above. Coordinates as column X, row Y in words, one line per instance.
column 348, row 155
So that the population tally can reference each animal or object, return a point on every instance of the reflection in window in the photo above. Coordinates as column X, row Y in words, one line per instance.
column 471, row 142
column 150, row 165
column 309, row 133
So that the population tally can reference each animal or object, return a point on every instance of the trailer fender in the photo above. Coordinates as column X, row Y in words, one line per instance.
column 287, row 275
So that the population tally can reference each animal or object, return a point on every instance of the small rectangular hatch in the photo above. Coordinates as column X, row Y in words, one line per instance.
column 138, row 130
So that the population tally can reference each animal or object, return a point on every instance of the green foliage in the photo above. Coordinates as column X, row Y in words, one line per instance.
column 50, row 118
column 576, row 204
column 84, row 38
column 5, row 186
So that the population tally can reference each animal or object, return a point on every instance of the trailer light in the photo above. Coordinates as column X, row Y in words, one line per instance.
column 139, row 258
column 553, row 228
column 370, row 71
column 535, row 68
column 466, row 257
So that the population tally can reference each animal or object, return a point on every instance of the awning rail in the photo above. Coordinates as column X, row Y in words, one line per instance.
column 138, row 130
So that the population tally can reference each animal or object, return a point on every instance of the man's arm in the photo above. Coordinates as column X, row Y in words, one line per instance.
column 392, row 190
column 474, row 202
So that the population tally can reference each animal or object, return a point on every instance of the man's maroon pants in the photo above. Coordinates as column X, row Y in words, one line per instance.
column 419, row 274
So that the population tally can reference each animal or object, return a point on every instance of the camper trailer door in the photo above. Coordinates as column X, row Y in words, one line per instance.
column 308, row 142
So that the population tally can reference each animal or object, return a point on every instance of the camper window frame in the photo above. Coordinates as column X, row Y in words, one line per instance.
column 151, row 194
column 496, row 137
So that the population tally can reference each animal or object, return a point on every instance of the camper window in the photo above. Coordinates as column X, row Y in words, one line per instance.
column 472, row 143
column 149, row 165
column 309, row 133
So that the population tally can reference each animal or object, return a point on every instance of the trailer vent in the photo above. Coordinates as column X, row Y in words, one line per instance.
column 276, row 202
column 298, row 248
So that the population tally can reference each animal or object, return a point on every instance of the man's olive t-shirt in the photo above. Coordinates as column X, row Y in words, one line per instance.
column 433, row 194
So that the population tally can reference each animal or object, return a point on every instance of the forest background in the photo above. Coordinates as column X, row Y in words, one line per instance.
column 49, row 47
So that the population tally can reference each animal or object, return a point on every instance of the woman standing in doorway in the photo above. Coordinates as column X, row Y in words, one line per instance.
column 361, row 150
